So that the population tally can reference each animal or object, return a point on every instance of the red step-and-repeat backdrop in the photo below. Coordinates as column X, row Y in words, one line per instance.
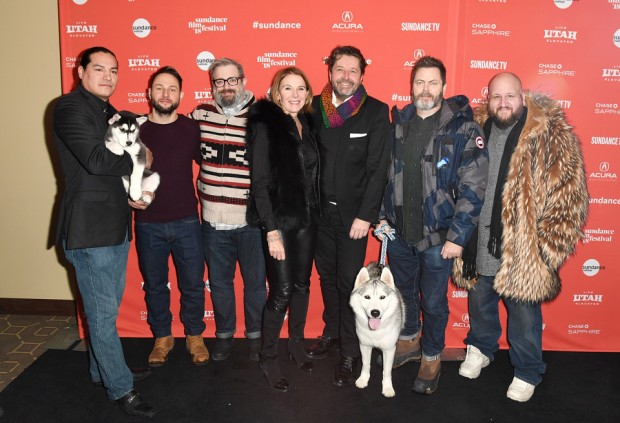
column 569, row 49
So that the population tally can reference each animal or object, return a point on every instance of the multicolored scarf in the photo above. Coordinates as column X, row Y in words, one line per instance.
column 333, row 116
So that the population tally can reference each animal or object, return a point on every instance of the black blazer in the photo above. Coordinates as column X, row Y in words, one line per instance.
column 93, row 211
column 362, row 158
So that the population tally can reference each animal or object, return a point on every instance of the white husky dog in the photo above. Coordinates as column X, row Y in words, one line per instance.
column 379, row 317
column 124, row 135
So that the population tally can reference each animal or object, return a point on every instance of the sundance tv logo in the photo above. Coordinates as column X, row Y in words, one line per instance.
column 605, row 141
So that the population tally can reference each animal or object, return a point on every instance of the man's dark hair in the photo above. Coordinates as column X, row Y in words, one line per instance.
column 429, row 62
column 85, row 56
column 340, row 51
column 170, row 71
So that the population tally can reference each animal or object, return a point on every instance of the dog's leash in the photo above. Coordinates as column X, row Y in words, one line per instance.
column 387, row 236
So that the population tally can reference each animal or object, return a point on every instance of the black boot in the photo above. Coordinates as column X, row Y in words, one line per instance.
column 271, row 369
column 296, row 351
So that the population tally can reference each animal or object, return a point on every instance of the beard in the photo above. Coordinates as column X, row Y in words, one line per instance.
column 422, row 102
column 228, row 102
column 506, row 122
column 166, row 111
column 343, row 95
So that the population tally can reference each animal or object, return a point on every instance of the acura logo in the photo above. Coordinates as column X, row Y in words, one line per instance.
column 484, row 92
column 347, row 16
column 604, row 167
column 418, row 54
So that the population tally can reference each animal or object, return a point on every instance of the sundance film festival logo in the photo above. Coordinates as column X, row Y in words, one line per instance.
column 276, row 25
column 488, row 64
column 81, row 30
column 464, row 323
column 591, row 267
column 277, row 58
column 560, row 35
column 488, row 29
column 604, row 173
column 611, row 74
column 598, row 235
column 347, row 23
column 204, row 60
column 142, row 28
column 420, row 26
column 604, row 201
column 605, row 140
column 606, row 109
column 143, row 63
column 582, row 329
column 417, row 55
column 210, row 24
column 555, row 69
column 588, row 298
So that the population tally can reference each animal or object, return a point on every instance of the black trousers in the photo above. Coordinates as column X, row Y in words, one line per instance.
column 289, row 286
column 338, row 261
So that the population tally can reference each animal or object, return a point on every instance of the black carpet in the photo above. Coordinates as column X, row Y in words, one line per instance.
column 578, row 387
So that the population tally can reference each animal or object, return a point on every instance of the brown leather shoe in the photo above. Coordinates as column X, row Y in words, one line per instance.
column 428, row 377
column 196, row 347
column 161, row 349
column 407, row 351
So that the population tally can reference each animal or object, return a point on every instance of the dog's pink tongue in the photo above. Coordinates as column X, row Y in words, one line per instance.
column 374, row 323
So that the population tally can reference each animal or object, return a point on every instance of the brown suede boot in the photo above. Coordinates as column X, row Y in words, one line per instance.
column 406, row 351
column 428, row 376
column 196, row 347
column 161, row 349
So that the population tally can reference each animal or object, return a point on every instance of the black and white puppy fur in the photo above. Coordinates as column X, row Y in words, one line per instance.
column 379, row 317
column 123, row 135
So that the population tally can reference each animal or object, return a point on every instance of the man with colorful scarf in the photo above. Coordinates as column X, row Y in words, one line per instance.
column 535, row 206
column 435, row 191
column 354, row 151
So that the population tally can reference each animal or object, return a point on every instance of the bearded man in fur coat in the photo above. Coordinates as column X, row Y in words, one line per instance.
column 535, row 206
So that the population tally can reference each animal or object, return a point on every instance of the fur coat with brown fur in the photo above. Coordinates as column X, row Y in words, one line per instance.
column 544, row 204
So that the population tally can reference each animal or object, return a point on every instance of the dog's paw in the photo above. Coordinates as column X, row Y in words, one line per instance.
column 388, row 392
column 146, row 199
column 361, row 382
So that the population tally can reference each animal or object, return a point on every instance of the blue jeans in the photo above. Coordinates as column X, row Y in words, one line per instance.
column 100, row 276
column 431, row 273
column 524, row 329
column 222, row 250
column 154, row 243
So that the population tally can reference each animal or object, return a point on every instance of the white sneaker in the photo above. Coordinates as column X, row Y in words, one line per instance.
column 474, row 363
column 520, row 390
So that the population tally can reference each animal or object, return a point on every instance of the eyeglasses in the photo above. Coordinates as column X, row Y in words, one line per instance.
column 232, row 81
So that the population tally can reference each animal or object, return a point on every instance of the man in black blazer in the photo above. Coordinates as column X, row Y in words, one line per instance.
column 354, row 156
column 94, row 225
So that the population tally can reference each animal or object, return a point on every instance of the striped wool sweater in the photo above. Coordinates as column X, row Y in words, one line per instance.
column 224, row 180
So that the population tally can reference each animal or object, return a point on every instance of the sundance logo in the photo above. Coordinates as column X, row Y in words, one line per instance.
column 598, row 235
column 605, row 141
column 204, row 60
column 210, row 24
column 591, row 267
column 488, row 64
column 420, row 26
column 142, row 28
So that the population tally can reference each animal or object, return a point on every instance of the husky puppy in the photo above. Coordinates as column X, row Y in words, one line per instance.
column 379, row 317
column 124, row 135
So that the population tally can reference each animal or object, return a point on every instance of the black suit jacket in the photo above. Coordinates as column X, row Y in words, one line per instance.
column 362, row 157
column 93, row 211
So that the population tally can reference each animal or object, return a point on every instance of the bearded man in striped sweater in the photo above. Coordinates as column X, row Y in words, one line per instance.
column 223, row 187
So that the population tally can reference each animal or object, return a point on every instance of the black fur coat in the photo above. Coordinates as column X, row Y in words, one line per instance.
column 278, row 194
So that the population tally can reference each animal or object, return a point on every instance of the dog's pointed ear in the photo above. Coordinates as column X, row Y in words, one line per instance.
column 362, row 277
column 114, row 118
column 142, row 119
column 387, row 277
